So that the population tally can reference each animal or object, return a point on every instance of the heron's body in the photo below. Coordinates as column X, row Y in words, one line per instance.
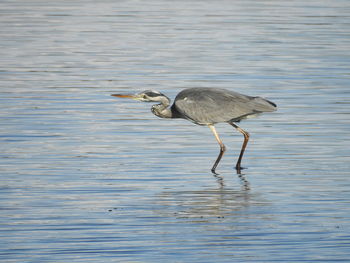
column 204, row 106
column 208, row 106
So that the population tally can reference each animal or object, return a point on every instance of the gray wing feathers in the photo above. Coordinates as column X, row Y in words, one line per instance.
column 209, row 106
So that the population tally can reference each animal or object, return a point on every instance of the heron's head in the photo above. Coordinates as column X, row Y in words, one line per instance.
column 146, row 96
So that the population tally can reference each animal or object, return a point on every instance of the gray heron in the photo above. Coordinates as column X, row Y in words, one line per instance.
column 208, row 106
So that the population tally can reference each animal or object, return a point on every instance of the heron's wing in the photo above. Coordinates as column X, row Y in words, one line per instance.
column 209, row 106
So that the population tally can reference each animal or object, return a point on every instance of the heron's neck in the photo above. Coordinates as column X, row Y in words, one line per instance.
column 162, row 110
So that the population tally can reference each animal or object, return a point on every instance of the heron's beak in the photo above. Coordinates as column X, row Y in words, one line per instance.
column 134, row 97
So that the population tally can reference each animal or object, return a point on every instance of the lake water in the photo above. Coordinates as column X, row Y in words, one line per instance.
column 86, row 177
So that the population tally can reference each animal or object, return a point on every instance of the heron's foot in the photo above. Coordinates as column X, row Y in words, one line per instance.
column 239, row 169
column 214, row 172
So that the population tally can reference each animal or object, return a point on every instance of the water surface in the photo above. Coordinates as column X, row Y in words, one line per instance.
column 86, row 177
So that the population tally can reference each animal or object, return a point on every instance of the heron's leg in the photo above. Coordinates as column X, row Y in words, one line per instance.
column 244, row 145
column 222, row 148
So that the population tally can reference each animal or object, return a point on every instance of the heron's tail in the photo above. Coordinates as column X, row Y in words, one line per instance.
column 263, row 105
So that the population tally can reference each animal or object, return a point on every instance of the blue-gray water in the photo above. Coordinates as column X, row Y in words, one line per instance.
column 86, row 177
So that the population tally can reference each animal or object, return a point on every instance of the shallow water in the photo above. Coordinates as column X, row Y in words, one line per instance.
column 86, row 177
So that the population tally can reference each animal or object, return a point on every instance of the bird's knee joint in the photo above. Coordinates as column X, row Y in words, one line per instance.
column 223, row 147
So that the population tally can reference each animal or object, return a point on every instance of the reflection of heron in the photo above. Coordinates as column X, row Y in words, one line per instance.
column 208, row 106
